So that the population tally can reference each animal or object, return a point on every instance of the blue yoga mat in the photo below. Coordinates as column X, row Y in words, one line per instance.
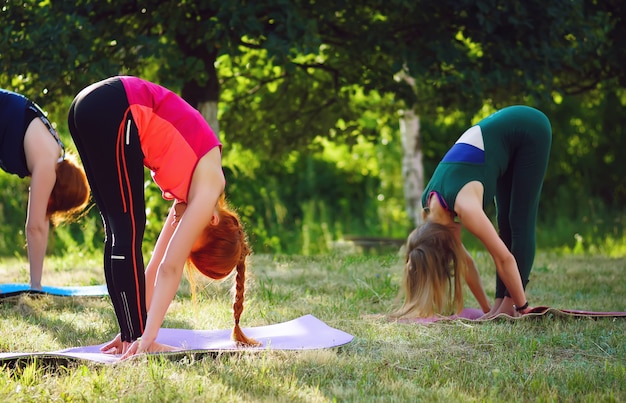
column 12, row 290
column 304, row 333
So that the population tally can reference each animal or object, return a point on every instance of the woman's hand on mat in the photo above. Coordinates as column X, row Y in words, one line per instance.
column 115, row 346
column 140, row 346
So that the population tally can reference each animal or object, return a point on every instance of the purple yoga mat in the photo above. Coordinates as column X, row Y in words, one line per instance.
column 304, row 333
column 474, row 314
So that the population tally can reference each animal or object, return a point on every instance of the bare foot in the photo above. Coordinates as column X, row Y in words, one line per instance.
column 36, row 286
column 494, row 310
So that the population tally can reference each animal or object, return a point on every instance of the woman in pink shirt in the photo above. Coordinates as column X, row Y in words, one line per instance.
column 120, row 125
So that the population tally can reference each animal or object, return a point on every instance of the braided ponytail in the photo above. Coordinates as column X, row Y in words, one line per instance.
column 238, row 297
column 224, row 246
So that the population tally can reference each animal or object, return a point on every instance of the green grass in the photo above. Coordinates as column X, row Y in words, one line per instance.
column 547, row 359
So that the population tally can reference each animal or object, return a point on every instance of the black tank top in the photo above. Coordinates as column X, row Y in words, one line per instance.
column 16, row 113
column 12, row 157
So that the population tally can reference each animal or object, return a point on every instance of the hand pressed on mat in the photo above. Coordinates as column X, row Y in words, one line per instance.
column 139, row 346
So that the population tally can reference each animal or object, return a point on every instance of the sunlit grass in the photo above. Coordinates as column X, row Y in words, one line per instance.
column 547, row 359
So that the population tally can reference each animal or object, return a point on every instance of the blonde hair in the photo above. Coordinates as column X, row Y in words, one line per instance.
column 434, row 268
column 70, row 193
column 224, row 247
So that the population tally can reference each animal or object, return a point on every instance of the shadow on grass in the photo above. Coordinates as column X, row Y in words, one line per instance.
column 46, row 313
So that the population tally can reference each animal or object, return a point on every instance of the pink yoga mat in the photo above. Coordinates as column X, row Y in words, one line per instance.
column 304, row 333
column 473, row 314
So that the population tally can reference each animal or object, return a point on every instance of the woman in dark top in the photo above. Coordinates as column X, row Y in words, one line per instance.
column 30, row 147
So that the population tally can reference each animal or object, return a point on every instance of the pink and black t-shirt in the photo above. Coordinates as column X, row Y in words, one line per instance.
column 173, row 135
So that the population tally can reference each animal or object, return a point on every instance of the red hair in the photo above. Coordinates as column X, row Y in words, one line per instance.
column 70, row 193
column 224, row 247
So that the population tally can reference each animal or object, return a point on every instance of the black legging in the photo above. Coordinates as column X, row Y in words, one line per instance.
column 108, row 143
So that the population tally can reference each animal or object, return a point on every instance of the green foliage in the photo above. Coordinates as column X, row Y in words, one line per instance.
column 303, row 88
column 304, row 59
column 80, row 43
column 589, row 145
column 13, row 203
column 304, row 204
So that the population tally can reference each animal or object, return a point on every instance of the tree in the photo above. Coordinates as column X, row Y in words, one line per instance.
column 50, row 50
column 460, row 54
column 282, row 73
column 88, row 40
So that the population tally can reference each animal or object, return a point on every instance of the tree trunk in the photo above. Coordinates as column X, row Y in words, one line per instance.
column 412, row 167
column 203, row 97
column 208, row 109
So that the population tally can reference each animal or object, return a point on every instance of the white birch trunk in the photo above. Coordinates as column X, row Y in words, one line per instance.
column 412, row 166
column 209, row 111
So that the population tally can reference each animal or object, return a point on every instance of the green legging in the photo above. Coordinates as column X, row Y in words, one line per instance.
column 525, row 136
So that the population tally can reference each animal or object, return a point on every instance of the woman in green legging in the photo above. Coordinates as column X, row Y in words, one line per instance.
column 504, row 156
